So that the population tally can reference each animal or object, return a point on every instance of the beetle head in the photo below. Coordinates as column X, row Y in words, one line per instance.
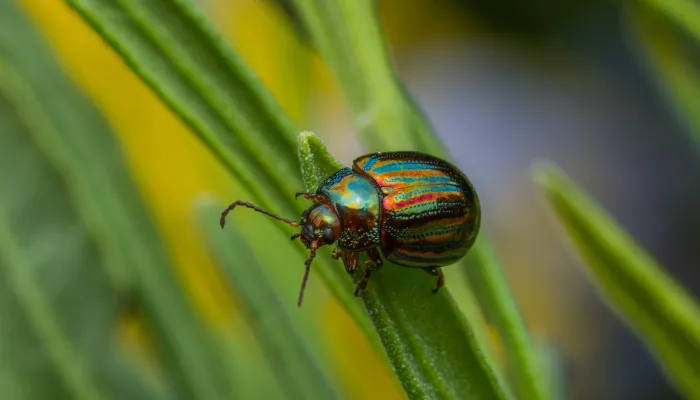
column 319, row 224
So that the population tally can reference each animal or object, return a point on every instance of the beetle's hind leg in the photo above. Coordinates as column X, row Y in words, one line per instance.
column 436, row 271
column 371, row 265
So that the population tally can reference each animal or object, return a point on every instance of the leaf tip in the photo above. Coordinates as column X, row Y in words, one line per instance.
column 545, row 172
column 304, row 137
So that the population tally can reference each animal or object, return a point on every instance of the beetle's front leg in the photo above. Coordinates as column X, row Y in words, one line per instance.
column 373, row 264
column 309, row 196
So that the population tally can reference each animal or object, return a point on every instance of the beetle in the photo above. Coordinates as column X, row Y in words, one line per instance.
column 420, row 211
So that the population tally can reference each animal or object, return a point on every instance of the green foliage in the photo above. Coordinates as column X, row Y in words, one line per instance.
column 72, row 265
column 31, row 320
column 171, row 46
column 677, row 75
column 683, row 14
column 666, row 317
column 79, row 240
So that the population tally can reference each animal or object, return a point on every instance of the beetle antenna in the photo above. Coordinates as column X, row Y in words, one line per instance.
column 233, row 205
column 312, row 254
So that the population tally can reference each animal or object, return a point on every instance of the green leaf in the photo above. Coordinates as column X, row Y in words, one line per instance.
column 484, row 271
column 429, row 343
column 556, row 371
column 175, row 50
column 663, row 314
column 281, row 338
column 57, row 307
column 252, row 372
column 683, row 13
column 317, row 164
column 172, row 47
column 72, row 133
column 347, row 35
column 677, row 76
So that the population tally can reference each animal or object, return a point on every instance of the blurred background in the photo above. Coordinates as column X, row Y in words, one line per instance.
column 505, row 83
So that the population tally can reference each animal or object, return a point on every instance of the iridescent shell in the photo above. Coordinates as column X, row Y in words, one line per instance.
column 430, row 211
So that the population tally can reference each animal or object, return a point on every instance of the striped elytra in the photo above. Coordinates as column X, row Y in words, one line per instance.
column 417, row 210
column 430, row 211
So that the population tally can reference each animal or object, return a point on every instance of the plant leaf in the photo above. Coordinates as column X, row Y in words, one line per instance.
column 252, row 372
column 428, row 342
column 557, row 371
column 664, row 315
column 347, row 35
column 57, row 306
column 498, row 304
column 174, row 50
column 73, row 134
column 677, row 76
column 171, row 46
column 317, row 164
column 683, row 13
column 283, row 343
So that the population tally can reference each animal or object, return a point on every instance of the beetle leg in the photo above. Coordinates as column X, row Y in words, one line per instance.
column 350, row 261
column 373, row 264
column 367, row 272
column 437, row 271
column 336, row 254
column 375, row 257
column 308, row 196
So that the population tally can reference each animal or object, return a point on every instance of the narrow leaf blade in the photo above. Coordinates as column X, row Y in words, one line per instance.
column 57, row 304
column 666, row 317
column 348, row 36
column 483, row 269
column 74, row 136
column 173, row 48
column 670, row 62
column 684, row 13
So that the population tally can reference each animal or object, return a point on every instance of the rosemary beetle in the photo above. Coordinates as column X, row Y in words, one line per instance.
column 417, row 210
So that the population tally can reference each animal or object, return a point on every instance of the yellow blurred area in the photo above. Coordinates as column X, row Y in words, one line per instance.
column 172, row 169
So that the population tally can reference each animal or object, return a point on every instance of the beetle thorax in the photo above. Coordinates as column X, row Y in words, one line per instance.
column 320, row 222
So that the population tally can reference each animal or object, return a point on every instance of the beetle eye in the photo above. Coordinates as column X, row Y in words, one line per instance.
column 328, row 235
